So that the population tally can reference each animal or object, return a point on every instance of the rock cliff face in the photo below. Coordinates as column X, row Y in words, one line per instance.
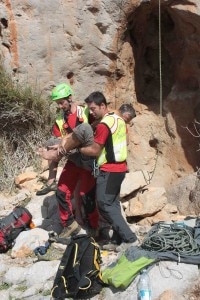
column 128, row 50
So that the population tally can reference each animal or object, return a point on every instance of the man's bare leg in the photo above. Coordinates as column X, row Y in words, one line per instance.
column 51, row 184
column 53, row 168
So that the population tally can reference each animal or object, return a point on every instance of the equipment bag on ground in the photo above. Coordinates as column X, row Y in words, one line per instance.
column 121, row 273
column 11, row 226
column 79, row 275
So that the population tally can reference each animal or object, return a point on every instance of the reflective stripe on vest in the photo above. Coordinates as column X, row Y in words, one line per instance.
column 82, row 117
column 82, row 113
column 115, row 149
column 60, row 121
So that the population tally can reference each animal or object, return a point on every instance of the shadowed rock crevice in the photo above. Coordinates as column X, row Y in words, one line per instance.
column 177, row 77
column 143, row 28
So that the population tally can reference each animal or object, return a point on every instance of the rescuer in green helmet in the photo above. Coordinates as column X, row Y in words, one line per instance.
column 71, row 115
column 61, row 91
column 76, row 179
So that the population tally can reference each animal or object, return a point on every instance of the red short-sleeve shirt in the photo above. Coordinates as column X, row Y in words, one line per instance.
column 71, row 122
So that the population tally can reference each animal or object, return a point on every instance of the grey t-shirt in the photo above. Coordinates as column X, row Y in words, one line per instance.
column 84, row 133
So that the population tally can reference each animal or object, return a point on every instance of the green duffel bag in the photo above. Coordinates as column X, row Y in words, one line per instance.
column 124, row 271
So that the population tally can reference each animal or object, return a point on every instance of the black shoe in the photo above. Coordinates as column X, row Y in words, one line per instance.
column 47, row 188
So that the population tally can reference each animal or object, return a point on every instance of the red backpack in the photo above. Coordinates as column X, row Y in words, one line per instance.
column 10, row 226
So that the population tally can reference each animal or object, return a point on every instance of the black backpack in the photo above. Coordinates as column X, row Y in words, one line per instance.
column 11, row 226
column 79, row 275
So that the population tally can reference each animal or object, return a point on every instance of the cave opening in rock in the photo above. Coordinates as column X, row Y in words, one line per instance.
column 143, row 31
column 179, row 64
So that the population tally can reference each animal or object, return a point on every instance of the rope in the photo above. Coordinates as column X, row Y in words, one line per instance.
column 160, row 59
column 149, row 176
column 168, row 272
column 171, row 238
column 117, row 51
column 148, row 180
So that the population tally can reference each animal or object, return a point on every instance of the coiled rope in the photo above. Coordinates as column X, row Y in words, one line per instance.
column 171, row 238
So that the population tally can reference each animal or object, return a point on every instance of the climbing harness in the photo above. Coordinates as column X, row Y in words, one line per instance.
column 95, row 171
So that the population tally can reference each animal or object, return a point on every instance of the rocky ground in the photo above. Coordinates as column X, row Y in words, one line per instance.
column 119, row 54
column 23, row 276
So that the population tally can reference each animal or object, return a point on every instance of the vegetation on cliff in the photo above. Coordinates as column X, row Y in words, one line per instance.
column 25, row 121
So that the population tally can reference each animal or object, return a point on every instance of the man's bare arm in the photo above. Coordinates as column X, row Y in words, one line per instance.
column 92, row 150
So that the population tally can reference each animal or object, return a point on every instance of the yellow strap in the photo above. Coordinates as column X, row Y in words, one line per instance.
column 86, row 287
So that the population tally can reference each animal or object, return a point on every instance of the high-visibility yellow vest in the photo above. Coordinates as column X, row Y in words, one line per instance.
column 115, row 149
column 82, row 117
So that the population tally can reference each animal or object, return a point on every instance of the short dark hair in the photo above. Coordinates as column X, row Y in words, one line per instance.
column 129, row 109
column 97, row 97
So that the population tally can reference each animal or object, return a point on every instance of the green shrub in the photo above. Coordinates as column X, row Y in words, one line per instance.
column 25, row 122
column 21, row 288
column 4, row 286
column 21, row 108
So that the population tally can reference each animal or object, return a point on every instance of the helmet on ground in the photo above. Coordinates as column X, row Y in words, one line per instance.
column 62, row 90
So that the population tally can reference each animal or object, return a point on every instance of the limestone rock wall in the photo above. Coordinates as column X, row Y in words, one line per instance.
column 44, row 42
column 113, row 46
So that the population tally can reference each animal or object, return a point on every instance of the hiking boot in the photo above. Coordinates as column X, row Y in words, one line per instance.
column 47, row 188
column 67, row 240
column 124, row 246
column 70, row 230
column 51, row 254
column 110, row 247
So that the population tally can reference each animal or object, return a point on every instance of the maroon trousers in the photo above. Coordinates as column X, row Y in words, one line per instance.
column 69, row 178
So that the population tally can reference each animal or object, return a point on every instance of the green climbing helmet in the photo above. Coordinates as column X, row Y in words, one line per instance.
column 62, row 90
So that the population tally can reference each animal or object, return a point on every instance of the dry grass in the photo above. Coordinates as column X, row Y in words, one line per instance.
column 18, row 153
column 25, row 122
column 21, row 107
